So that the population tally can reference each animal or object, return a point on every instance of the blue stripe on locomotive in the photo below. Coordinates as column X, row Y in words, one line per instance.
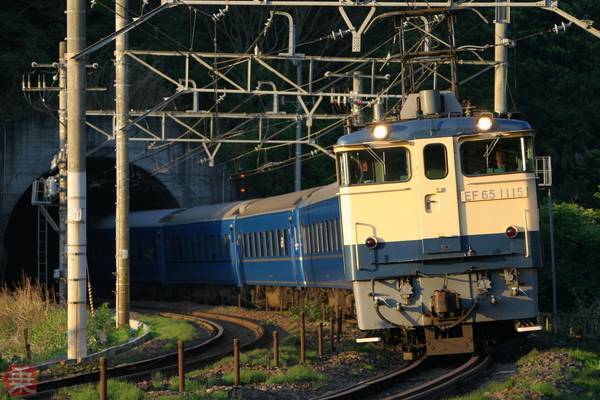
column 324, row 266
column 198, row 253
column 491, row 251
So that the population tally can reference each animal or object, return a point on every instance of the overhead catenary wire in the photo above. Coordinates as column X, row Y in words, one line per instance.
column 352, row 67
column 258, row 37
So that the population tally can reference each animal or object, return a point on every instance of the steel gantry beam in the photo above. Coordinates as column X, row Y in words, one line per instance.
column 432, row 59
column 365, row 4
column 318, row 84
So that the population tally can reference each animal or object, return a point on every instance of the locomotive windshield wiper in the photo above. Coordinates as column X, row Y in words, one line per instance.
column 491, row 147
column 374, row 154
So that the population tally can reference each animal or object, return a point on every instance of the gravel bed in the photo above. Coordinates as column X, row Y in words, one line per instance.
column 538, row 366
column 349, row 364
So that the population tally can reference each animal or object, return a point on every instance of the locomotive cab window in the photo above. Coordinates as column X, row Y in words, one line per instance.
column 436, row 161
column 371, row 166
column 497, row 156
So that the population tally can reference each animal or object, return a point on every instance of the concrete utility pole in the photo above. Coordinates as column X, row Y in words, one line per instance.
column 62, row 173
column 76, row 183
column 122, row 118
column 501, row 59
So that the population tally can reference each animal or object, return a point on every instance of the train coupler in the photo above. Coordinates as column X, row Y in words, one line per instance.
column 457, row 340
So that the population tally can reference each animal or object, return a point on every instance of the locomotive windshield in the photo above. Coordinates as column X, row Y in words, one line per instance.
column 368, row 166
column 497, row 156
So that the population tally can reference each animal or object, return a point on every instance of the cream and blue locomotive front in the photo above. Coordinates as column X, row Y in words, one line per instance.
column 440, row 222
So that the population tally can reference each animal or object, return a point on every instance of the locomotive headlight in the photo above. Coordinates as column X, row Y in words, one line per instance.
column 511, row 232
column 371, row 242
column 380, row 131
column 485, row 122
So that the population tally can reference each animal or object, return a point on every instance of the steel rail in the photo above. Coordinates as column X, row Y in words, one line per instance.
column 375, row 383
column 473, row 366
column 433, row 389
column 163, row 363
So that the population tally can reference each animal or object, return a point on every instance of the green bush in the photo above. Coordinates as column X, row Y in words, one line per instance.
column 49, row 336
column 311, row 308
column 577, row 239
column 101, row 329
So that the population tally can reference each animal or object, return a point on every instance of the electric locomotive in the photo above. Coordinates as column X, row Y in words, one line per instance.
column 431, row 232
column 440, row 223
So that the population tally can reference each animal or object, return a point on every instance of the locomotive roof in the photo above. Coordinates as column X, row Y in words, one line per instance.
column 289, row 201
column 322, row 193
column 137, row 219
column 434, row 127
column 213, row 212
column 204, row 213
column 282, row 202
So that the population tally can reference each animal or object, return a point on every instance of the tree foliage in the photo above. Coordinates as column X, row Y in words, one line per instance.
column 577, row 240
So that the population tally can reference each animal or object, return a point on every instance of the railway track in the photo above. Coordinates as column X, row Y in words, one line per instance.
column 382, row 386
column 221, row 328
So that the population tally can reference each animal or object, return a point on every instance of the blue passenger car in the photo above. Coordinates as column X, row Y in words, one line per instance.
column 321, row 236
column 197, row 246
column 292, row 240
column 146, row 248
column 270, row 254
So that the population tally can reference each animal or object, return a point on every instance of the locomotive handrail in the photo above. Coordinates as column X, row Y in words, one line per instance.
column 356, row 245
column 526, row 228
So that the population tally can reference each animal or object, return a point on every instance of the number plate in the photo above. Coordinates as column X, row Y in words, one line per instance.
column 494, row 194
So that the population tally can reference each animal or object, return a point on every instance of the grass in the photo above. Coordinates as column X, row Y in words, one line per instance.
column 157, row 380
column 163, row 328
column 191, row 385
column 214, row 395
column 247, row 376
column 29, row 316
column 117, row 390
column 296, row 374
column 527, row 383
column 257, row 357
column 26, row 312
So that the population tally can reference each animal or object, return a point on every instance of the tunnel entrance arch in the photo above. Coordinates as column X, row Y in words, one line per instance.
column 147, row 192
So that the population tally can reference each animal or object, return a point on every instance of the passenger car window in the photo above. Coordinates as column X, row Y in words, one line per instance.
column 370, row 166
column 497, row 156
column 436, row 161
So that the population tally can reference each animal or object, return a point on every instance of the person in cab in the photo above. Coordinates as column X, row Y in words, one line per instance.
column 500, row 163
